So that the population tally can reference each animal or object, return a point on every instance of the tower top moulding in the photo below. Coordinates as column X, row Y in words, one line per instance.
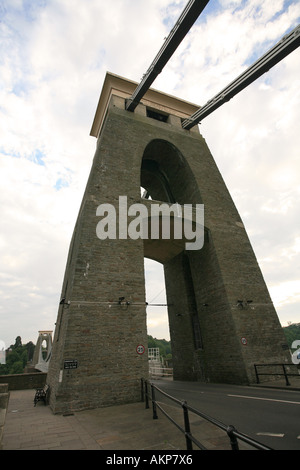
column 154, row 99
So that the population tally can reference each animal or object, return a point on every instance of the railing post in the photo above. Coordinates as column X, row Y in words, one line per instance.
column 142, row 390
column 146, row 395
column 256, row 373
column 189, row 444
column 153, row 402
column 233, row 440
column 285, row 375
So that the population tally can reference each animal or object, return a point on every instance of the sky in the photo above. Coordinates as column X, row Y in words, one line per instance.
column 54, row 55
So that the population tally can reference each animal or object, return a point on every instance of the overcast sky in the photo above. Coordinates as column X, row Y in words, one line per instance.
column 54, row 55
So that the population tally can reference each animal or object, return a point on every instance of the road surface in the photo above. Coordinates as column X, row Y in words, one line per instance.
column 270, row 416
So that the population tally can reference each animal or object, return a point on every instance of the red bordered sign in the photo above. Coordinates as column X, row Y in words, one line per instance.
column 140, row 349
column 244, row 341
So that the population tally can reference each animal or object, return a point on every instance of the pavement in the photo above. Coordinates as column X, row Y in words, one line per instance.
column 294, row 384
column 122, row 427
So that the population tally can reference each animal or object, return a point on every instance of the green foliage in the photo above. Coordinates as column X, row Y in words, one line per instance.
column 292, row 333
column 18, row 342
column 163, row 345
column 30, row 350
column 17, row 368
column 17, row 357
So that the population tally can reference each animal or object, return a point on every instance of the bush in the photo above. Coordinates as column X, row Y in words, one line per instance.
column 17, row 357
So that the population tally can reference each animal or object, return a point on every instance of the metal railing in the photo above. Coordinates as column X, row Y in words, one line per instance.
column 233, row 434
column 160, row 371
column 284, row 373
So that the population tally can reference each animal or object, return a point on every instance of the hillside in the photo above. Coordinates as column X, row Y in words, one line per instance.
column 292, row 333
column 163, row 345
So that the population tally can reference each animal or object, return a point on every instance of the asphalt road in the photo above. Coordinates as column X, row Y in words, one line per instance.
column 269, row 416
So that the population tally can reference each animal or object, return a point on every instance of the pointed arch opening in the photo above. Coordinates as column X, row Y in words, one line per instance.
column 164, row 172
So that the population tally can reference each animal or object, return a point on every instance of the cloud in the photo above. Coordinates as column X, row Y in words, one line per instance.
column 254, row 138
column 53, row 60
column 157, row 315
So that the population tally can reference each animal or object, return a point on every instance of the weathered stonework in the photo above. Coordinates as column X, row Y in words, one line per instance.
column 4, row 399
column 207, row 325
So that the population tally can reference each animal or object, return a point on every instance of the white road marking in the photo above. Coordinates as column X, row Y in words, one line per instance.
column 271, row 434
column 265, row 399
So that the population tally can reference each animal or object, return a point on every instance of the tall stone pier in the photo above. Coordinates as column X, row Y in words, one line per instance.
column 221, row 317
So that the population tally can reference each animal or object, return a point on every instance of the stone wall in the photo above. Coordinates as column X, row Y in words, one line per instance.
column 101, row 336
column 24, row 381
column 4, row 398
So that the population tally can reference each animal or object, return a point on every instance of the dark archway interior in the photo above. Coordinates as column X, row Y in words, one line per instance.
column 166, row 177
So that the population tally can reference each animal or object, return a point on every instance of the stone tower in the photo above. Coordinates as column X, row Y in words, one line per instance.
column 42, row 351
column 221, row 318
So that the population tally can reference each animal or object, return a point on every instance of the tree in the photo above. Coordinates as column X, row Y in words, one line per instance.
column 17, row 357
column 17, row 368
column 18, row 342
column 30, row 350
column 292, row 333
column 163, row 345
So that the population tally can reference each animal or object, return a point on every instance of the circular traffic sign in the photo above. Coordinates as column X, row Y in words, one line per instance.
column 140, row 349
column 244, row 341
